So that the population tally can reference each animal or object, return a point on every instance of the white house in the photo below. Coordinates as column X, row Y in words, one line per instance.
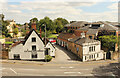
column 33, row 48
column 51, row 49
column 87, row 49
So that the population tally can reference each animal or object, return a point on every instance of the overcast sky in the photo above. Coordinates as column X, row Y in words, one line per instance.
column 80, row 10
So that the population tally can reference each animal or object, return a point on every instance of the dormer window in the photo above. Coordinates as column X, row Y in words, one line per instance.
column 33, row 39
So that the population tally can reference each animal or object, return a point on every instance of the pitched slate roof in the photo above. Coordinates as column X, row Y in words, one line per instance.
column 77, row 23
column 106, row 26
column 92, row 32
column 67, row 36
column 80, row 40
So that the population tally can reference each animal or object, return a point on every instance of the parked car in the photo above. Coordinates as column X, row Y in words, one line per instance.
column 53, row 41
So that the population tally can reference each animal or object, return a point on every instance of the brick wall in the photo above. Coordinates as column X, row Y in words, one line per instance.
column 73, row 47
column 115, row 55
column 3, row 55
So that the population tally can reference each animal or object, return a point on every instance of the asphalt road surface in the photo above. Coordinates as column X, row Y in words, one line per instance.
column 65, row 64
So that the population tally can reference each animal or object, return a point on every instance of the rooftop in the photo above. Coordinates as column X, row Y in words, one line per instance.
column 77, row 23
column 80, row 41
column 67, row 36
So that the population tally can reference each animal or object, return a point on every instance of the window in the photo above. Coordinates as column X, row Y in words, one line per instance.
column 34, row 56
column 33, row 39
column 90, row 49
column 77, row 49
column 94, row 48
column 94, row 55
column 97, row 55
column 85, row 57
column 16, row 56
column 90, row 37
column 34, row 48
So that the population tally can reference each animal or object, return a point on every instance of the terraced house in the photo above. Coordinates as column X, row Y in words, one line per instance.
column 85, row 48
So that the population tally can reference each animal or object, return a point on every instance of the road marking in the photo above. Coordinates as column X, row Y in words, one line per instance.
column 71, row 67
column 66, row 67
column 71, row 72
column 13, row 70
column 2, row 68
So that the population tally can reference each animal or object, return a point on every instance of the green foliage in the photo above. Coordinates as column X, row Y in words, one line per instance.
column 15, row 31
column 4, row 28
column 59, row 24
column 48, row 58
column 108, row 41
column 48, row 33
column 48, row 23
column 19, row 24
column 55, row 26
column 8, row 42
column 52, row 36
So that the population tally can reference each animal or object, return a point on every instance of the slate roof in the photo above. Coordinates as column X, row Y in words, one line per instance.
column 80, row 40
column 77, row 23
column 67, row 36
column 107, row 26
column 92, row 32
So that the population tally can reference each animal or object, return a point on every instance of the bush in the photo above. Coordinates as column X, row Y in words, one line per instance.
column 48, row 58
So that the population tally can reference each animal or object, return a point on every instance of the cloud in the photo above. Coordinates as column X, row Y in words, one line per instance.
column 24, row 11
column 113, row 6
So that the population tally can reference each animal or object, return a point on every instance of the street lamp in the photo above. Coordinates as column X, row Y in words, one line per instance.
column 45, row 41
column 45, row 33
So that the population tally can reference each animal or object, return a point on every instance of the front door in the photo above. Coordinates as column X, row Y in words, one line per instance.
column 46, row 52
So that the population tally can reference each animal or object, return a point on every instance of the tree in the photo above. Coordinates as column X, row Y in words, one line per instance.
column 59, row 24
column 49, row 24
column 15, row 31
column 63, row 21
column 4, row 28
column 108, row 41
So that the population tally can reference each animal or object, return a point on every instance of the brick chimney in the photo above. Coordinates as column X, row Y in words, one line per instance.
column 33, row 26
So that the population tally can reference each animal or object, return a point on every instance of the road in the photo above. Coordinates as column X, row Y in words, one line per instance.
column 65, row 64
column 64, row 56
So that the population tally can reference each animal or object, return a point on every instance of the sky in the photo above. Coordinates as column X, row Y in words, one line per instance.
column 79, row 10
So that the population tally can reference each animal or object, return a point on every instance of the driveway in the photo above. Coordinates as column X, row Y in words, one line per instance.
column 63, row 55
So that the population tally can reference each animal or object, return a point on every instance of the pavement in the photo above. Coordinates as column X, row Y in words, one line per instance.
column 64, row 64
